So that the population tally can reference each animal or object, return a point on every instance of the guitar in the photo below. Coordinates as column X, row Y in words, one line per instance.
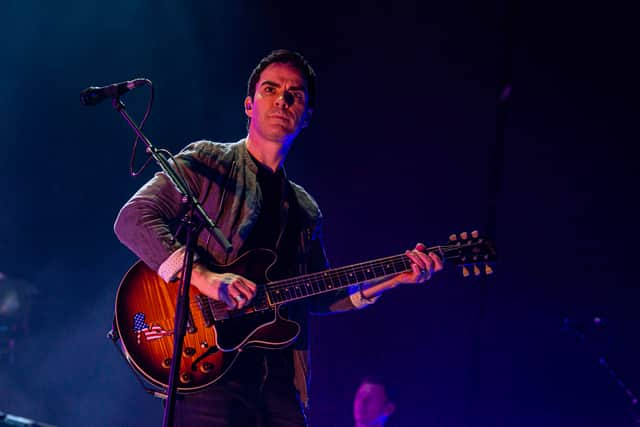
column 145, row 310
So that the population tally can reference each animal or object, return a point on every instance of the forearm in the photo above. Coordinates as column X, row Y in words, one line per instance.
column 372, row 289
column 202, row 278
column 144, row 224
column 235, row 291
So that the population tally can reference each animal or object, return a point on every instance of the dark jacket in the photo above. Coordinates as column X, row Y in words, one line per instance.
column 223, row 176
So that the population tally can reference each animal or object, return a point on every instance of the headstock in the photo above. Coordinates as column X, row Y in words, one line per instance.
column 470, row 250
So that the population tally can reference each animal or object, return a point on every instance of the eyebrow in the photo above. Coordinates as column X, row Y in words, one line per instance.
column 270, row 83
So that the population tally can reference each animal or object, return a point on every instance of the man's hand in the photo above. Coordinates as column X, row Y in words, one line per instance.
column 422, row 267
column 235, row 291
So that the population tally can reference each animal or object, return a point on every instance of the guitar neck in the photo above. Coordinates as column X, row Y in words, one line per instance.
column 296, row 288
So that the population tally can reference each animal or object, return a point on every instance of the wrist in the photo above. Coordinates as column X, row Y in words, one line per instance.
column 368, row 299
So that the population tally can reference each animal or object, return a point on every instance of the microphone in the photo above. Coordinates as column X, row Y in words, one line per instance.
column 94, row 95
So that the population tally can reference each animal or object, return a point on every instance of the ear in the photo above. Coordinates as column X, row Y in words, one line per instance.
column 306, row 118
column 248, row 106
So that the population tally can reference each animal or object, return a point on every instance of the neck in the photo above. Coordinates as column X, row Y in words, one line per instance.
column 270, row 153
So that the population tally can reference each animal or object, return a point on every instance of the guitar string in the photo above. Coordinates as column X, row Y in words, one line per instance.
column 395, row 260
column 328, row 274
column 324, row 276
column 359, row 267
column 336, row 273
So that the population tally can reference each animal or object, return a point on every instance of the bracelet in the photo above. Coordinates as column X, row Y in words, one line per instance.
column 371, row 299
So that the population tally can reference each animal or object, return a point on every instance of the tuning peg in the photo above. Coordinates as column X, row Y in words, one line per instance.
column 453, row 238
column 475, row 234
column 464, row 235
column 487, row 269
column 476, row 270
column 465, row 271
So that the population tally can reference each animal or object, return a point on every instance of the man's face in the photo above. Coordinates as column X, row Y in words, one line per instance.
column 278, row 109
column 370, row 406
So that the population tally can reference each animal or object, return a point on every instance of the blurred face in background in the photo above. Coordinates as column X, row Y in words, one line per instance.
column 371, row 407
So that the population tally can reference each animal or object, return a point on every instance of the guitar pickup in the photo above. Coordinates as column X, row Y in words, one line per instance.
column 205, row 309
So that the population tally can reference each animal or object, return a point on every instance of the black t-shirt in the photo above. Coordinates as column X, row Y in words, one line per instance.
column 274, row 219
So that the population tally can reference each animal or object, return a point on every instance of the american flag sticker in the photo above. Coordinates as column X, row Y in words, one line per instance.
column 152, row 332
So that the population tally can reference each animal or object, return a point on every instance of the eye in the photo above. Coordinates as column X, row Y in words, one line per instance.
column 269, row 89
column 299, row 96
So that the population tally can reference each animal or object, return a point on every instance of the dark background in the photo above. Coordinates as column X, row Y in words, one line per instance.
column 406, row 145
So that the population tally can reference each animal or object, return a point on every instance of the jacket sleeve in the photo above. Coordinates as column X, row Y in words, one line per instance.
column 148, row 222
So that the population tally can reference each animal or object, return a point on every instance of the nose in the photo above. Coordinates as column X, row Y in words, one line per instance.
column 286, row 99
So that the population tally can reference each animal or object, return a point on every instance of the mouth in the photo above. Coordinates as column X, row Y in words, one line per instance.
column 279, row 117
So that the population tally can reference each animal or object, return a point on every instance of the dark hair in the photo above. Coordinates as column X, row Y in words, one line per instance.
column 389, row 390
column 282, row 56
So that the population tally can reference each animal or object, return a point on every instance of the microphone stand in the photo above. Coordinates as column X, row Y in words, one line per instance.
column 195, row 219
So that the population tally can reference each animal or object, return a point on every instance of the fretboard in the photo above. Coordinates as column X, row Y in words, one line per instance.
column 283, row 291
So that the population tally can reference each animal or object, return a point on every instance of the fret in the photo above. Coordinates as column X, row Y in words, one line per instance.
column 338, row 280
column 406, row 263
column 309, row 288
column 378, row 271
column 339, row 277
column 390, row 267
column 319, row 283
column 358, row 275
column 328, row 284
column 274, row 296
column 370, row 272
column 352, row 277
column 327, row 280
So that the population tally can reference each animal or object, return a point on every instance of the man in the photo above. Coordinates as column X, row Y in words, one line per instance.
column 373, row 403
column 244, row 188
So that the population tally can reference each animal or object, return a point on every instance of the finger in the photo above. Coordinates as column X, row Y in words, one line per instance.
column 247, row 287
column 229, row 293
column 437, row 262
column 427, row 261
column 420, row 275
column 413, row 256
column 251, row 285
column 237, row 295
column 240, row 300
column 229, row 300
column 241, row 293
column 420, row 247
column 416, row 273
